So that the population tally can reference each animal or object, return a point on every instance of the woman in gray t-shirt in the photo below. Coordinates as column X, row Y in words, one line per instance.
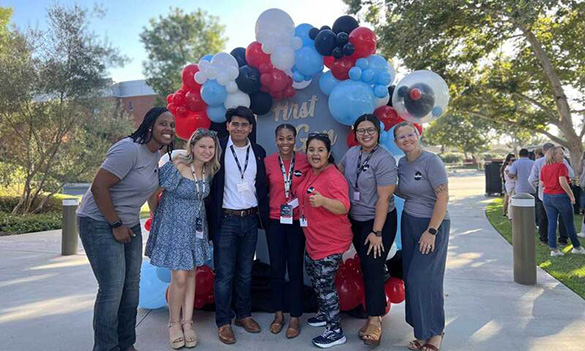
column 109, row 226
column 371, row 173
column 422, row 182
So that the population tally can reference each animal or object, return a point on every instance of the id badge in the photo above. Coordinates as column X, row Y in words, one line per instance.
column 199, row 228
column 294, row 203
column 243, row 187
column 356, row 196
column 303, row 222
column 286, row 214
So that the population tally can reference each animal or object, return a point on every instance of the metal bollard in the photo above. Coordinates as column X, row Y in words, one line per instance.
column 523, row 229
column 69, row 236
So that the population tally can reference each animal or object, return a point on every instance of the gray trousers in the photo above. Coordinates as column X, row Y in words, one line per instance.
column 423, row 277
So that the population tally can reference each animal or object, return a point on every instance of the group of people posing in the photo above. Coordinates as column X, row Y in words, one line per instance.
column 312, row 209
column 548, row 179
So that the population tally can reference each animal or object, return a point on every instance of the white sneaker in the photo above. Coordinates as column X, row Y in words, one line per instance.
column 556, row 253
column 581, row 234
column 578, row 250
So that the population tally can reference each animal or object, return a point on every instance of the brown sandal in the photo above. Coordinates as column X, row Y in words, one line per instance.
column 362, row 330
column 431, row 347
column 372, row 335
column 190, row 334
column 294, row 328
column 276, row 325
column 414, row 345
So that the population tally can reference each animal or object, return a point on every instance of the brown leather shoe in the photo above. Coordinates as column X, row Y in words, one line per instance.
column 294, row 328
column 249, row 325
column 226, row 334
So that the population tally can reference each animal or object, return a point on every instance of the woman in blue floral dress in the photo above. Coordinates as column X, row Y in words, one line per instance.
column 178, row 239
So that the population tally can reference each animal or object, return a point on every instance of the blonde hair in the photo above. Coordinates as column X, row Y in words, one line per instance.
column 212, row 166
column 550, row 155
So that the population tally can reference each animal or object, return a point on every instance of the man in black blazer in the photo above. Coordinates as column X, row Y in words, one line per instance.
column 238, row 205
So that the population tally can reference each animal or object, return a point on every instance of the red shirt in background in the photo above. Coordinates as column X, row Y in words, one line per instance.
column 276, row 181
column 549, row 175
column 327, row 233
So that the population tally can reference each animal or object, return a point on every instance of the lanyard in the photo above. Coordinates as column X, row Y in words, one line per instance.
column 309, row 182
column 199, row 193
column 238, row 162
column 287, row 178
column 361, row 166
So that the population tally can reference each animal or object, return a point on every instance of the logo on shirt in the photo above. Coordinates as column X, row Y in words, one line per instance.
column 310, row 190
column 298, row 173
column 418, row 175
column 365, row 168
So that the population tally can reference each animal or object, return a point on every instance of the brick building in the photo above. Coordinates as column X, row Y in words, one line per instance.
column 135, row 97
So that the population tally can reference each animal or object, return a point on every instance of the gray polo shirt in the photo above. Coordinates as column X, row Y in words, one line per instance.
column 137, row 168
column 416, row 183
column 521, row 168
column 380, row 170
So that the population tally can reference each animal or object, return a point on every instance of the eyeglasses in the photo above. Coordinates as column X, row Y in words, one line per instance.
column 362, row 131
column 404, row 136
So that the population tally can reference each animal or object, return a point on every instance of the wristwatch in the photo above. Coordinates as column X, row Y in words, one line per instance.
column 116, row 224
column 378, row 233
column 433, row 231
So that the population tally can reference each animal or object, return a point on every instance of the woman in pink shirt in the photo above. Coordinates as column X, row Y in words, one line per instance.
column 324, row 201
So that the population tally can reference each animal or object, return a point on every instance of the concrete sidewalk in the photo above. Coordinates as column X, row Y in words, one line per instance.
column 46, row 300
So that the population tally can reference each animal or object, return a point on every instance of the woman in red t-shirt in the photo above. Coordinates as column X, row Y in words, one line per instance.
column 285, row 170
column 558, row 199
column 324, row 200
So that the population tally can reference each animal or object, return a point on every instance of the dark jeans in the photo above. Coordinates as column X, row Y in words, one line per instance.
column 116, row 267
column 556, row 204
column 373, row 268
column 286, row 247
column 543, row 224
column 234, row 246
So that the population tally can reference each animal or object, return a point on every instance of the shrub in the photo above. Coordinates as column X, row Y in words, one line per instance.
column 18, row 224
column 451, row 157
column 7, row 203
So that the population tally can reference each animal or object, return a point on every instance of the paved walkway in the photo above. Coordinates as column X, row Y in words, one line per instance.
column 46, row 300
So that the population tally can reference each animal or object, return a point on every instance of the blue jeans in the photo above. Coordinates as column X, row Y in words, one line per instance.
column 555, row 204
column 116, row 267
column 234, row 246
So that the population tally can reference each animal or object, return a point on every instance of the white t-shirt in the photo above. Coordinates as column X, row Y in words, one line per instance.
column 510, row 183
column 238, row 193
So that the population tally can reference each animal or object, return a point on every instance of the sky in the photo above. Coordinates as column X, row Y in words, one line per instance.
column 124, row 20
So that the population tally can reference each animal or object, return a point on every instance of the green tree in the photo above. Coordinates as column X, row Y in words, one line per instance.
column 51, row 97
column 176, row 40
column 511, row 62
column 459, row 132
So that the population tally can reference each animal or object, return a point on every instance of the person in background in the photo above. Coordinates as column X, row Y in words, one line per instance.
column 179, row 238
column 285, row 170
column 509, row 184
column 558, row 198
column 534, row 179
column 425, row 226
column 371, row 173
column 324, row 200
column 109, row 226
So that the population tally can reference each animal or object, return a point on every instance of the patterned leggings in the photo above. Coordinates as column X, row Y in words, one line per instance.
column 322, row 273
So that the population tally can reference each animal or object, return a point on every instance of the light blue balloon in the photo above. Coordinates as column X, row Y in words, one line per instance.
column 383, row 78
column 349, row 100
column 327, row 82
column 308, row 78
column 399, row 204
column 377, row 63
column 216, row 113
column 387, row 140
column 380, row 91
column 206, row 58
column 368, row 76
column 362, row 63
column 302, row 31
column 164, row 274
column 152, row 289
column 308, row 61
column 355, row 73
column 213, row 93
column 437, row 111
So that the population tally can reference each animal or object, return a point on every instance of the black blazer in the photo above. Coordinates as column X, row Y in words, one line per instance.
column 215, row 200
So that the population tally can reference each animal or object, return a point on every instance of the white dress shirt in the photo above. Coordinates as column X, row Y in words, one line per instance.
column 234, row 198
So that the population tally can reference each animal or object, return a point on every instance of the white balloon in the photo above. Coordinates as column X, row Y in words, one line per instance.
column 382, row 101
column 301, row 85
column 283, row 57
column 239, row 98
column 273, row 21
column 203, row 65
column 435, row 97
column 233, row 72
column 224, row 59
column 165, row 158
column 223, row 78
column 211, row 72
column 297, row 43
column 267, row 48
column 200, row 77
column 231, row 87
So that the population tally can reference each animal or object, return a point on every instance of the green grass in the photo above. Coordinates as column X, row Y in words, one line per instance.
column 569, row 270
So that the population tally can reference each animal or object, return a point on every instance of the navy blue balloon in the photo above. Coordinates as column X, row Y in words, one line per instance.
column 260, row 103
column 325, row 28
column 240, row 55
column 248, row 80
column 342, row 39
column 325, row 42
column 345, row 24
column 348, row 49
column 337, row 53
column 313, row 33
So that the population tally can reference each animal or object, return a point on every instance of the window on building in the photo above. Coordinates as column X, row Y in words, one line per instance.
column 130, row 106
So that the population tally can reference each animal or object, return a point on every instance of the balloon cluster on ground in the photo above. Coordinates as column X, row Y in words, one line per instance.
column 286, row 58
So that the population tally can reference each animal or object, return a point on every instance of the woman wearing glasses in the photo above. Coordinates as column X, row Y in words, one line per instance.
column 179, row 239
column 422, row 182
column 285, row 170
column 371, row 173
column 324, row 203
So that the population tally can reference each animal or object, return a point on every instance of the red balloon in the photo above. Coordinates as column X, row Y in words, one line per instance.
column 181, row 112
column 255, row 56
column 394, row 288
column 364, row 41
column 419, row 127
column 199, row 302
column 184, row 127
column 179, row 98
column 351, row 140
column 172, row 107
column 170, row 98
column 148, row 223
column 350, row 291
column 328, row 61
column 388, row 305
column 388, row 116
column 187, row 76
column 204, row 279
column 194, row 101
column 340, row 68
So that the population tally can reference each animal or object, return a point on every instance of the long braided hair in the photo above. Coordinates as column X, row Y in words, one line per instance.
column 143, row 134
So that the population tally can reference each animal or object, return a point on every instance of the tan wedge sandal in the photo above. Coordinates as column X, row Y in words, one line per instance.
column 190, row 335
column 176, row 337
